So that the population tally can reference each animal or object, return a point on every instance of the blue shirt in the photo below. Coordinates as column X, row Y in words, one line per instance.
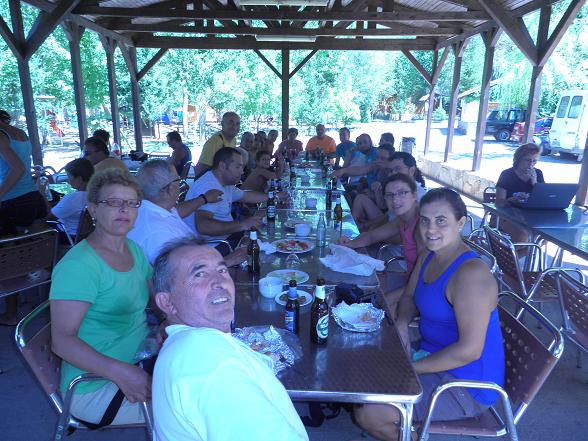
column 343, row 148
column 25, row 184
column 360, row 158
column 438, row 329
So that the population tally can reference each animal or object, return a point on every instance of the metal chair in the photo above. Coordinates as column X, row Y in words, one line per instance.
column 58, row 225
column 33, row 339
column 186, row 170
column 574, row 309
column 529, row 360
column 488, row 196
column 536, row 286
column 27, row 261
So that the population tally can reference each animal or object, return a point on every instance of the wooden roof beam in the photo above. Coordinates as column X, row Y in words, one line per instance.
column 547, row 49
column 11, row 41
column 251, row 43
column 154, row 12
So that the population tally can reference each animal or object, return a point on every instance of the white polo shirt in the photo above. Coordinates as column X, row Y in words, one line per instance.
column 221, row 211
column 155, row 226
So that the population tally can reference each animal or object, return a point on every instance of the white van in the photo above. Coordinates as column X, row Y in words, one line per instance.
column 570, row 124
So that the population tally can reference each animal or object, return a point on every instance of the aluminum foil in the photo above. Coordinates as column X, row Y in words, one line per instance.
column 281, row 346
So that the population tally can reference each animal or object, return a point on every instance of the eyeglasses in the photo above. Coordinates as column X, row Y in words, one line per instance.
column 399, row 194
column 179, row 180
column 117, row 203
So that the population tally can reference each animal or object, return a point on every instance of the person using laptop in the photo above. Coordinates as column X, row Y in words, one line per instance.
column 515, row 185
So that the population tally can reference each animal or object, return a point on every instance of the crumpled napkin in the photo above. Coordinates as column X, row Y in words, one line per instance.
column 267, row 247
column 346, row 260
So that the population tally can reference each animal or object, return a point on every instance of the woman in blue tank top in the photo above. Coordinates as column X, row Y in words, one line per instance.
column 456, row 296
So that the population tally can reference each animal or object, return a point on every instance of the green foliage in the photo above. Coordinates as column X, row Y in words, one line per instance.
column 439, row 114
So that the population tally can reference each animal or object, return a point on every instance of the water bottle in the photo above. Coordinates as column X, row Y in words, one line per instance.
column 43, row 181
column 321, row 231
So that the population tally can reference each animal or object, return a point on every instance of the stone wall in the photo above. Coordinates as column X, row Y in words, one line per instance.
column 465, row 182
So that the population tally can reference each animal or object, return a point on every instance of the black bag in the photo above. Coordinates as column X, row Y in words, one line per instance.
column 351, row 293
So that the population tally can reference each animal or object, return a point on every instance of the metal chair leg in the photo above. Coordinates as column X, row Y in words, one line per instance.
column 148, row 420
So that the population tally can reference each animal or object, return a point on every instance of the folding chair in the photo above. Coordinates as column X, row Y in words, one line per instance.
column 536, row 286
column 574, row 309
column 529, row 359
column 33, row 339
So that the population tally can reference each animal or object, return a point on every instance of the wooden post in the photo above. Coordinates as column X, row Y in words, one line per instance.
column 458, row 50
column 490, row 38
column 74, row 34
column 109, row 45
column 533, row 104
column 26, row 85
column 285, row 92
column 431, row 104
column 130, row 56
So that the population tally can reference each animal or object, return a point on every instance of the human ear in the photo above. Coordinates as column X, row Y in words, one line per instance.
column 164, row 303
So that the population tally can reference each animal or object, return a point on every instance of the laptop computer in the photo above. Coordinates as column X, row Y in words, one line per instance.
column 547, row 196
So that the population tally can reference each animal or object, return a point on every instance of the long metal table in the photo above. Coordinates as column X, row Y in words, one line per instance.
column 351, row 367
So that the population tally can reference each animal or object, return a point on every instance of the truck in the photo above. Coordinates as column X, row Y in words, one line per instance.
column 569, row 130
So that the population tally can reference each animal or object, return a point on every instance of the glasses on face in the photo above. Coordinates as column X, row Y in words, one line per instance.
column 179, row 180
column 117, row 203
column 399, row 194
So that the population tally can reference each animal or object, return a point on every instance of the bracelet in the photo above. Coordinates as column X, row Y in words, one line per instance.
column 204, row 197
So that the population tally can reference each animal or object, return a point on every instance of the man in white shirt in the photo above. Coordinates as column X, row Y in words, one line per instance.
column 214, row 220
column 160, row 218
column 208, row 385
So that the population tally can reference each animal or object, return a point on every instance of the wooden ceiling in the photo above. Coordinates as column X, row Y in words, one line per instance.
column 340, row 25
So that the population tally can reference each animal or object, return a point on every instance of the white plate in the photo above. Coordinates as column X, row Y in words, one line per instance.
column 308, row 243
column 359, row 317
column 289, row 274
column 304, row 298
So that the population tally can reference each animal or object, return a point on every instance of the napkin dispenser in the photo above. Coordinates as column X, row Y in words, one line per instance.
column 351, row 293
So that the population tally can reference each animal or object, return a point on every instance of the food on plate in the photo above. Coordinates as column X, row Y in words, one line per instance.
column 366, row 317
column 291, row 245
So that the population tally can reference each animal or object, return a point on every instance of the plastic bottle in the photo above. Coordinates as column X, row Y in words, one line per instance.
column 44, row 182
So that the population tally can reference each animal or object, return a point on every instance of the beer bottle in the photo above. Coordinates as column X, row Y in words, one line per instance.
column 338, row 211
column 319, row 315
column 329, row 196
column 271, row 207
column 291, row 317
column 253, row 253
column 321, row 231
column 292, row 175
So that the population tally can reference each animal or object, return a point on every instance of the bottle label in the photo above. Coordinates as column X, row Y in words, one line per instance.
column 322, row 326
column 249, row 260
column 289, row 321
column 271, row 212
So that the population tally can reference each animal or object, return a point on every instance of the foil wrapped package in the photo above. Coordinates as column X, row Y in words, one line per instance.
column 281, row 346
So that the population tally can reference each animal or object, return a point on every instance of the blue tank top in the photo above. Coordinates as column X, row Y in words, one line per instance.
column 187, row 157
column 438, row 328
column 25, row 184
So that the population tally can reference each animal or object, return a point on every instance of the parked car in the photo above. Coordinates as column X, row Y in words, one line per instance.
column 569, row 131
column 500, row 122
column 541, row 133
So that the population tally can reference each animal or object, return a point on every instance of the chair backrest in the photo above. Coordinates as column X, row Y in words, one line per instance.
column 489, row 195
column 186, row 170
column 85, row 226
column 506, row 259
column 528, row 359
column 22, row 255
column 486, row 255
column 33, row 339
column 574, row 306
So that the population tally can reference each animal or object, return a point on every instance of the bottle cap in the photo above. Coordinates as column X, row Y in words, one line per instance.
column 253, row 235
column 270, row 194
column 292, row 283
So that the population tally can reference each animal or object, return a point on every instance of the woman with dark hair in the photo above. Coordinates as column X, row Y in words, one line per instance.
column 456, row 296
column 515, row 184
column 69, row 209
column 99, row 292
column 401, row 199
column 20, row 200
column 371, row 212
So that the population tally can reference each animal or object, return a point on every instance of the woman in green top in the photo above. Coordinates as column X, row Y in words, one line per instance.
column 98, row 296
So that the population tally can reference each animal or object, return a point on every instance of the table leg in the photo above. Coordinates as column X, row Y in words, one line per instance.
column 405, row 410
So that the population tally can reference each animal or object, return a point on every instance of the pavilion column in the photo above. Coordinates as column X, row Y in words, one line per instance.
column 74, row 34
column 430, row 106
column 458, row 50
column 109, row 45
column 130, row 57
column 533, row 103
column 26, row 84
column 285, row 92
column 490, row 39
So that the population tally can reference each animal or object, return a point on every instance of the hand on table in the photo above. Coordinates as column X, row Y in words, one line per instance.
column 213, row 196
column 236, row 257
column 253, row 221
column 134, row 382
column 344, row 240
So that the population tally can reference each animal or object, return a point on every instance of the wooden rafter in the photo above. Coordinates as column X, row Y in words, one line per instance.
column 278, row 14
column 559, row 31
column 302, row 63
column 268, row 63
column 418, row 66
column 13, row 44
column 160, row 53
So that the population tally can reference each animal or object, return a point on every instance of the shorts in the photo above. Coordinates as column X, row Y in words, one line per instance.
column 452, row 404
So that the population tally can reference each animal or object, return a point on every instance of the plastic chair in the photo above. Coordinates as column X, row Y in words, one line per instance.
column 35, row 347
column 574, row 309
column 529, row 360
column 186, row 170
column 27, row 261
column 536, row 286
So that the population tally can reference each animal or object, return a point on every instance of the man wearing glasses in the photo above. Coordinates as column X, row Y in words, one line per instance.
column 160, row 216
